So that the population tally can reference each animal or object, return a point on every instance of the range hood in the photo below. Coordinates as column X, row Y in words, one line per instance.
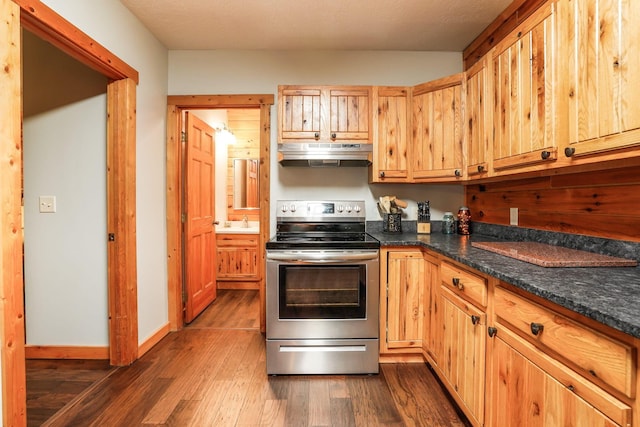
column 324, row 154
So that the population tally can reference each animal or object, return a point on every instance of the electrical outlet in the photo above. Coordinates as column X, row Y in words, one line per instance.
column 513, row 216
column 47, row 204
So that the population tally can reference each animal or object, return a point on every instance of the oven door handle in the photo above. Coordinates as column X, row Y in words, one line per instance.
column 322, row 257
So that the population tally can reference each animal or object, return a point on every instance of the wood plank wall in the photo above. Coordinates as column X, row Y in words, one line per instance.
column 603, row 203
column 245, row 125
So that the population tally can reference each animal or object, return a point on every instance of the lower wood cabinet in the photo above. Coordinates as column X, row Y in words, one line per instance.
column 507, row 358
column 238, row 261
column 531, row 389
column 401, row 301
column 463, row 353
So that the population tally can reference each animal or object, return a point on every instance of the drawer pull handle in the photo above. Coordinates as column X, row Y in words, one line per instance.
column 456, row 282
column 536, row 328
column 492, row 331
column 475, row 319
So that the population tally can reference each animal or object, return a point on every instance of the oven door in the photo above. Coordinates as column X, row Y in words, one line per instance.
column 322, row 294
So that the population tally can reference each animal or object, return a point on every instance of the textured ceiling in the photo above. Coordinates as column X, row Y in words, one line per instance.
column 405, row 25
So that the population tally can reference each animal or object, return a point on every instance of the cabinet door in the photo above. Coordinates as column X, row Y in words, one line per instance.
column 405, row 295
column 437, row 145
column 463, row 353
column 349, row 112
column 524, row 101
column 237, row 257
column 300, row 115
column 390, row 149
column 479, row 118
column 602, row 49
column 432, row 313
column 525, row 395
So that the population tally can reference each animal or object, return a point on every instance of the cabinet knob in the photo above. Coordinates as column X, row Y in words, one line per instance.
column 381, row 174
column 333, row 136
column 545, row 155
column 458, row 173
column 216, row 222
column 491, row 331
column 456, row 282
column 536, row 328
column 475, row 319
column 480, row 168
column 316, row 135
column 569, row 151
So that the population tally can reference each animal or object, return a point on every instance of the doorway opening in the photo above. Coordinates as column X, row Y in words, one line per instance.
column 176, row 106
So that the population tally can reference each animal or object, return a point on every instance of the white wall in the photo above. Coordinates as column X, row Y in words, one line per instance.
column 259, row 72
column 113, row 26
column 66, row 251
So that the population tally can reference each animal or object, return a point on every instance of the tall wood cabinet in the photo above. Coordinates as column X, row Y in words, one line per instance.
column 391, row 135
column 324, row 114
column 599, row 44
column 438, row 139
column 525, row 95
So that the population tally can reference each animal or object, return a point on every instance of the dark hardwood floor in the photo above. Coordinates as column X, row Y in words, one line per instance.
column 212, row 373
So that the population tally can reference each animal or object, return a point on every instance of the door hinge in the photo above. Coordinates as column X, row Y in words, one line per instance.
column 183, row 136
column 183, row 218
column 111, row 237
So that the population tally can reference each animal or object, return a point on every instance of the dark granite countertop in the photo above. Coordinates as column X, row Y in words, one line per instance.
column 609, row 295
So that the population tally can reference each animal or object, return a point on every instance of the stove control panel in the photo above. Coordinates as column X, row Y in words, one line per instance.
column 320, row 210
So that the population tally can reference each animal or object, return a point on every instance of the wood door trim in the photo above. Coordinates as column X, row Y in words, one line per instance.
column 175, row 105
column 54, row 29
column 48, row 25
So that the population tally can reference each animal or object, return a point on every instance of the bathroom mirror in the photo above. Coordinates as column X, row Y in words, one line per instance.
column 245, row 184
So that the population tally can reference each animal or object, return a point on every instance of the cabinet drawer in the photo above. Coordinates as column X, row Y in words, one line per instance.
column 467, row 283
column 237, row 240
column 593, row 353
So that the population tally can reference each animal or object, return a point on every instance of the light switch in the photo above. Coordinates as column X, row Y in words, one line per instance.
column 47, row 204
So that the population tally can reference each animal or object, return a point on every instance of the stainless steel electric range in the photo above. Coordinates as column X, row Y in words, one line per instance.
column 322, row 290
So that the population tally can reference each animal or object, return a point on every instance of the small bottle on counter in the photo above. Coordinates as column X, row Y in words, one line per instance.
column 464, row 220
column 448, row 223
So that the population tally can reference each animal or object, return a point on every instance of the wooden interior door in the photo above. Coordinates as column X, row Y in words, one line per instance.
column 200, row 238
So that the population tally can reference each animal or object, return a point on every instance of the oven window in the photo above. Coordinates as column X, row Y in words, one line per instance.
column 322, row 292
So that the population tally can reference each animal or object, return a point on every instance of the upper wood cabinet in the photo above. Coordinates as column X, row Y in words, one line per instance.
column 599, row 44
column 391, row 134
column 438, row 137
column 525, row 87
column 324, row 114
column 479, row 118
